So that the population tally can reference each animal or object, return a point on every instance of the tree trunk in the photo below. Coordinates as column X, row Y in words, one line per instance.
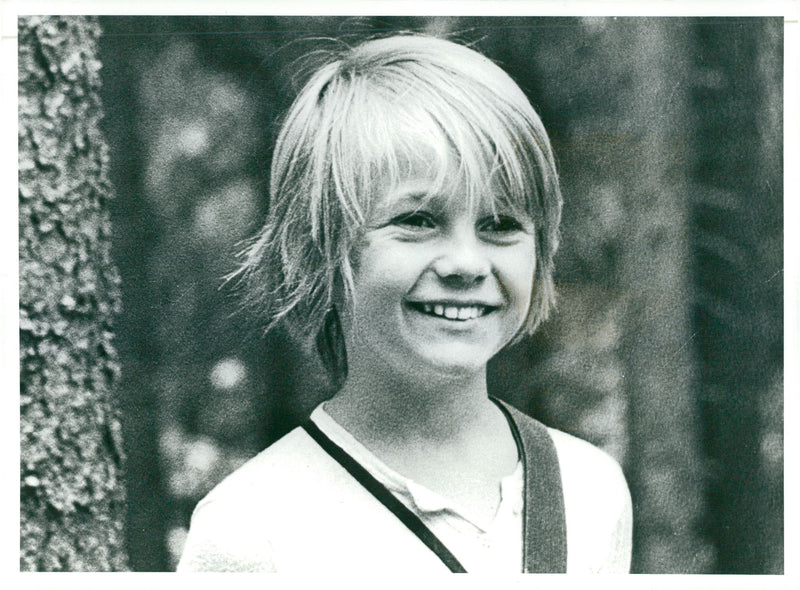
column 665, row 464
column 71, row 488
column 738, row 252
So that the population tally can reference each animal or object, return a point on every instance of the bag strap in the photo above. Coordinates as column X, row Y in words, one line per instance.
column 544, row 528
column 384, row 496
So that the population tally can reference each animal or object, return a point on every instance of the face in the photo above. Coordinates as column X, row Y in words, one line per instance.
column 437, row 287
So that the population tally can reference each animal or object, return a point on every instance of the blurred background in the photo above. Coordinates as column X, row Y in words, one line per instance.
column 666, row 347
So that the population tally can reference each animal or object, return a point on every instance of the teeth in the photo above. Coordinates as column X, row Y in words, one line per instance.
column 454, row 312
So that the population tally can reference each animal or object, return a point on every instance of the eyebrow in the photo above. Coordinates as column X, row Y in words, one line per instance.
column 414, row 188
column 415, row 196
column 411, row 195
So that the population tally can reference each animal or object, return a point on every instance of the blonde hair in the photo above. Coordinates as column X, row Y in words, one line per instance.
column 365, row 117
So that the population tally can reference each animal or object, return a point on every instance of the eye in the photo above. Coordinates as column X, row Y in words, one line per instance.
column 415, row 220
column 501, row 224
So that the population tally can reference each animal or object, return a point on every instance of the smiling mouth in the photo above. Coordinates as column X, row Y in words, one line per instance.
column 449, row 311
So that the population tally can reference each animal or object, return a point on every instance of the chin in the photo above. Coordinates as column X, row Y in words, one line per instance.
column 453, row 360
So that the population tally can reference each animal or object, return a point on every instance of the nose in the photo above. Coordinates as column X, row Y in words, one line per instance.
column 463, row 260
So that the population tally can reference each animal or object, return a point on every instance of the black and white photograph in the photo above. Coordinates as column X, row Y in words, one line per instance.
column 366, row 292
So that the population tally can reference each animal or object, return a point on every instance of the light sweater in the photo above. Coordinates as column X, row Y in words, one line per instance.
column 293, row 508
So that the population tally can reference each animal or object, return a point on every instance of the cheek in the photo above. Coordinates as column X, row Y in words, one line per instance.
column 382, row 277
column 520, row 270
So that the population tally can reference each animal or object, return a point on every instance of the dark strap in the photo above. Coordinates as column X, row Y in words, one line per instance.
column 384, row 496
column 544, row 528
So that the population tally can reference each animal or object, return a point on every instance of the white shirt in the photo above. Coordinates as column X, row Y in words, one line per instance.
column 293, row 508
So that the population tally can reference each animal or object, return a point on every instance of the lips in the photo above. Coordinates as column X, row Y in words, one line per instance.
column 460, row 312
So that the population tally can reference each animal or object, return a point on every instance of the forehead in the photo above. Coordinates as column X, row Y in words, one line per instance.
column 423, row 184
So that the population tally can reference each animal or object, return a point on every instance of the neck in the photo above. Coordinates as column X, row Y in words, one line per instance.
column 383, row 410
column 443, row 433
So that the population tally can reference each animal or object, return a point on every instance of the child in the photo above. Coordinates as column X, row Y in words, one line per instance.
column 413, row 221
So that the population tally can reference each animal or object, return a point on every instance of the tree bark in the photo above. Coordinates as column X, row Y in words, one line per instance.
column 71, row 490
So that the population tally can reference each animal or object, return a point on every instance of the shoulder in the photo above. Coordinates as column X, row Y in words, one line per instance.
column 580, row 459
column 597, row 503
column 233, row 526
column 293, row 505
column 291, row 458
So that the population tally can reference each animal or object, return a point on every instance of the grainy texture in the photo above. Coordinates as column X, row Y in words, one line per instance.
column 665, row 348
column 738, row 246
column 70, row 462
column 666, row 465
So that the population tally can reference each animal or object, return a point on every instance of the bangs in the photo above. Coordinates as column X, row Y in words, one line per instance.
column 406, row 120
